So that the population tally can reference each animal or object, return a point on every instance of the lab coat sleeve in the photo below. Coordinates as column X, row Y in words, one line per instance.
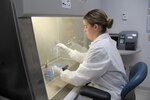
column 95, row 65
column 77, row 56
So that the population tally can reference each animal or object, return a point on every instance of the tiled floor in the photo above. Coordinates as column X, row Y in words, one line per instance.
column 142, row 94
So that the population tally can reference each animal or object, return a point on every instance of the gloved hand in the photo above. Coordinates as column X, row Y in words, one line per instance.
column 57, row 70
column 60, row 45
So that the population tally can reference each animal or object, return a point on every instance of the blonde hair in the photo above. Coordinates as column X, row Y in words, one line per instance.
column 99, row 17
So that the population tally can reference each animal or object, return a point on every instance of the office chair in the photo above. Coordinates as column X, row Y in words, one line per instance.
column 137, row 75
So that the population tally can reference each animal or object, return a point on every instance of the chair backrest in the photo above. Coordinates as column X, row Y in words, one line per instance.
column 137, row 75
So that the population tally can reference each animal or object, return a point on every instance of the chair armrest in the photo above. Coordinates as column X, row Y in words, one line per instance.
column 94, row 93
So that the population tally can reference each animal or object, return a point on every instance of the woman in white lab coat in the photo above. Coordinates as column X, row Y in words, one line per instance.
column 102, row 64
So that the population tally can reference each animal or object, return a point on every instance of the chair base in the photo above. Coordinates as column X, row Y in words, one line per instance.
column 130, row 96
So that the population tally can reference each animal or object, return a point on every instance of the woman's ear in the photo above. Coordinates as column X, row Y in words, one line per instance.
column 96, row 26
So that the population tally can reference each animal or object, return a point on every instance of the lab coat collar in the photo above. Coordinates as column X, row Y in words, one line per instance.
column 100, row 37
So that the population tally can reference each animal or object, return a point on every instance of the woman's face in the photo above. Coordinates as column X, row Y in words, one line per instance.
column 92, row 32
column 88, row 29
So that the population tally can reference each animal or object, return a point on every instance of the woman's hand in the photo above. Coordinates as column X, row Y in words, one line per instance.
column 60, row 45
column 57, row 70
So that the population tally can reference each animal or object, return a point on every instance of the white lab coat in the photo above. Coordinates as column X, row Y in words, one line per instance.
column 102, row 65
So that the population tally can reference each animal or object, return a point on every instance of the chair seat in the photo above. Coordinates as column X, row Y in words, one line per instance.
column 94, row 93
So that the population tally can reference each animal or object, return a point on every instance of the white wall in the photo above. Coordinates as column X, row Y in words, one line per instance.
column 137, row 15
column 91, row 4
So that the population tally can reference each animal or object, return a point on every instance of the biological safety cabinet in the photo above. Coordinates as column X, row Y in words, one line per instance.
column 48, row 32
column 30, row 31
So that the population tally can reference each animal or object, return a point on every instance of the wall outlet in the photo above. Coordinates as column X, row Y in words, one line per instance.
column 66, row 3
column 124, row 16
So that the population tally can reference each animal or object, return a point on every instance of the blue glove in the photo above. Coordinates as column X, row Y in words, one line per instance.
column 49, row 74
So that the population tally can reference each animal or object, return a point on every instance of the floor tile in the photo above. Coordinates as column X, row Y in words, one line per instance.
column 142, row 94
